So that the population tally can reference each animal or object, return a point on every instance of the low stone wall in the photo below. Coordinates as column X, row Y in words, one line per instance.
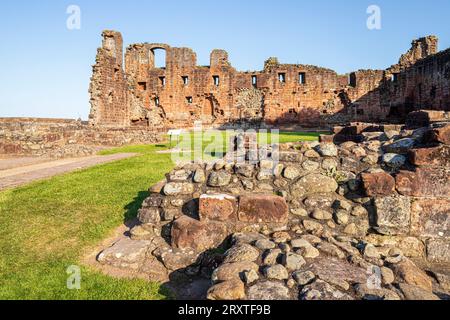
column 367, row 220
column 65, row 138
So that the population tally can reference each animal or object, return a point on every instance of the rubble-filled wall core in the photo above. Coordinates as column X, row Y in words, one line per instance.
column 138, row 93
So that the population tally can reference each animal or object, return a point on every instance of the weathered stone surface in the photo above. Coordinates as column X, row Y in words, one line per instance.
column 309, row 165
column 394, row 160
column 262, row 208
column 320, row 290
column 313, row 183
column 199, row 176
column 251, row 276
column 393, row 215
column 293, row 261
column 219, row 179
column 304, row 277
column 271, row 256
column 220, row 207
column 409, row 273
column 242, row 252
column 126, row 253
column 245, row 170
column 149, row 215
column 227, row 290
column 327, row 150
column 438, row 250
column 409, row 246
column 291, row 173
column 430, row 217
column 378, row 184
column 265, row 244
column 155, row 270
column 268, row 290
column 235, row 270
column 191, row 233
column 401, row 146
column 441, row 135
column 320, row 214
column 276, row 272
column 437, row 156
column 365, row 292
column 424, row 182
column 178, row 188
column 416, row 293
column 176, row 259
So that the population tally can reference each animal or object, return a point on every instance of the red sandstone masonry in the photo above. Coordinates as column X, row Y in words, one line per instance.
column 140, row 94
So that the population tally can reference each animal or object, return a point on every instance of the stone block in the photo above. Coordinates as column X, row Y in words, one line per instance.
column 430, row 217
column 424, row 182
column 437, row 156
column 438, row 250
column 220, row 207
column 393, row 215
column 190, row 233
column 262, row 209
column 378, row 184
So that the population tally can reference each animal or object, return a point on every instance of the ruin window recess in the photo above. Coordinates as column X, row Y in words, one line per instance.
column 142, row 86
column 282, row 77
column 394, row 77
column 216, row 80
column 157, row 101
column 162, row 81
column 185, row 80
column 302, row 78
column 352, row 80
column 254, row 81
column 189, row 100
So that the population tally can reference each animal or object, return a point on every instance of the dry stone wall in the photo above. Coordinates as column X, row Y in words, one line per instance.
column 64, row 138
column 355, row 220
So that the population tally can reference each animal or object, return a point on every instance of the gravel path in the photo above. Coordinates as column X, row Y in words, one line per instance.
column 15, row 172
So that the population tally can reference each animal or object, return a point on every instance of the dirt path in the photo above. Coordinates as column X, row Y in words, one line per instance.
column 15, row 172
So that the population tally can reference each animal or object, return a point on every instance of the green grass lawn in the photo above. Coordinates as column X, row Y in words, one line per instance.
column 46, row 226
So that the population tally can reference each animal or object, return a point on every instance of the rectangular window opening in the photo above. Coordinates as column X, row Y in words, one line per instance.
column 157, row 101
column 352, row 79
column 189, row 100
column 394, row 77
column 142, row 86
column 254, row 81
column 216, row 80
column 162, row 81
column 282, row 77
column 302, row 78
column 185, row 80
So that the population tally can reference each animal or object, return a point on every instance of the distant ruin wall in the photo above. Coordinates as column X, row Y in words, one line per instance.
column 140, row 94
column 60, row 138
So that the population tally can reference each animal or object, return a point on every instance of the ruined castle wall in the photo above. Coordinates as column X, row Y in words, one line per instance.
column 108, row 87
column 181, row 93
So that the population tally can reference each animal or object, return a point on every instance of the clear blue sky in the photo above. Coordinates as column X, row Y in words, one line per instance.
column 46, row 68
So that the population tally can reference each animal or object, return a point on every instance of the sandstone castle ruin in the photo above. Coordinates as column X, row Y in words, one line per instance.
column 135, row 93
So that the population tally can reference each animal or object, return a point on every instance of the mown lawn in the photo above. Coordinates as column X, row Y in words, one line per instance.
column 47, row 226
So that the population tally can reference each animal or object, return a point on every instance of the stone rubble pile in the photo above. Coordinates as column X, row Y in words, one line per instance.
column 367, row 220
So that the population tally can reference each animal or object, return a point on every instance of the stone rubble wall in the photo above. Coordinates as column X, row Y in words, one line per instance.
column 358, row 220
column 60, row 138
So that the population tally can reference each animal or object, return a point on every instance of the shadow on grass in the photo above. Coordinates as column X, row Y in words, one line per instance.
column 131, row 209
